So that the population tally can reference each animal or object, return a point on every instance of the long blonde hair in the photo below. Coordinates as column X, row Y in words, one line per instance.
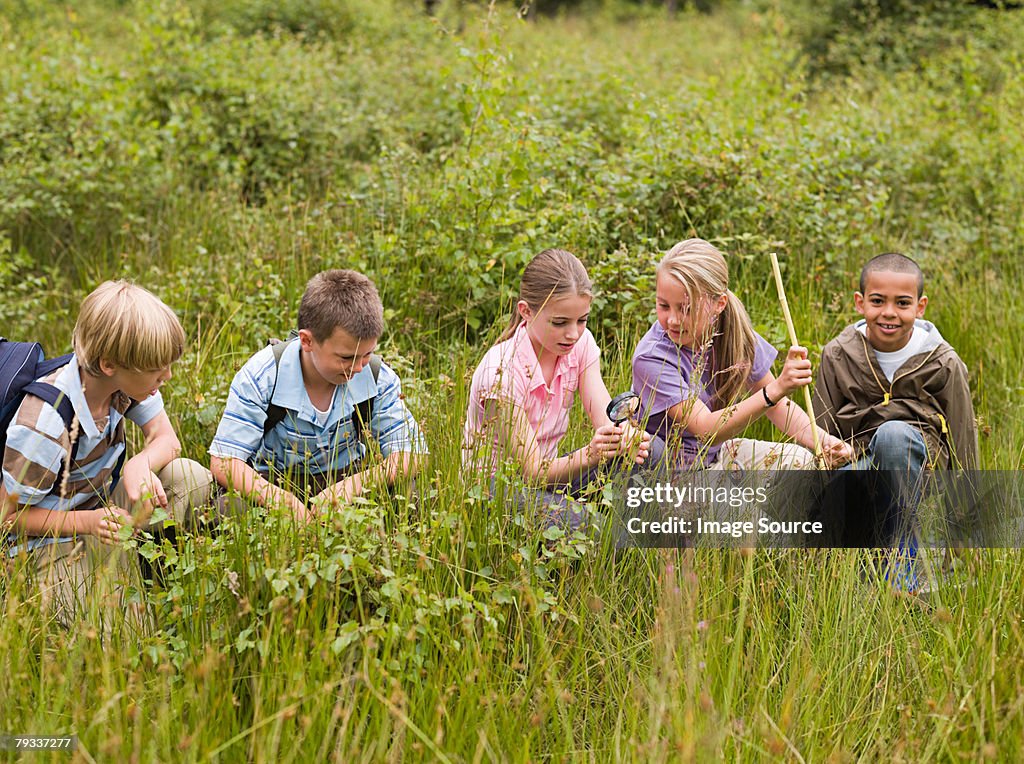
column 703, row 272
column 549, row 275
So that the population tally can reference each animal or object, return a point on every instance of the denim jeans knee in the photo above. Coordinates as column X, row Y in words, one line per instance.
column 898, row 446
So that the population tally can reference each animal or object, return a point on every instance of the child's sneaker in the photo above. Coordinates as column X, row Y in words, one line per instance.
column 902, row 572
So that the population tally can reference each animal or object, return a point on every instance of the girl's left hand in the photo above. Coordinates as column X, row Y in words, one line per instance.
column 339, row 494
column 835, row 452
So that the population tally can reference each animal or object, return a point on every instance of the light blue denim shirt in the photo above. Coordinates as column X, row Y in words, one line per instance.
column 299, row 441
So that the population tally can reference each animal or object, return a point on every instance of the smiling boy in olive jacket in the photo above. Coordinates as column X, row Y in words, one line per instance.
column 892, row 386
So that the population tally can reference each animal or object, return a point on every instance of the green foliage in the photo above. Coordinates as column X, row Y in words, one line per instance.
column 336, row 19
column 843, row 35
column 67, row 148
column 29, row 307
column 222, row 153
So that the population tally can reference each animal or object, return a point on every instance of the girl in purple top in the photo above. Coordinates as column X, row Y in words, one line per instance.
column 703, row 374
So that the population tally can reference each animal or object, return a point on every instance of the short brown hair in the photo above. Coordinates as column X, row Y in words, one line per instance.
column 128, row 326
column 341, row 298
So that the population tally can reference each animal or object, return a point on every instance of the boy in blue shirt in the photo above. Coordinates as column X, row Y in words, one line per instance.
column 291, row 432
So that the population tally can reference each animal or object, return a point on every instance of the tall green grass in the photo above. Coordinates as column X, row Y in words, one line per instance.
column 220, row 158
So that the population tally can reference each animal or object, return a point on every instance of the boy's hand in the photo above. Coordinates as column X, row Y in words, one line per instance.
column 308, row 515
column 287, row 503
column 142, row 484
column 834, row 451
column 796, row 373
column 335, row 495
column 105, row 523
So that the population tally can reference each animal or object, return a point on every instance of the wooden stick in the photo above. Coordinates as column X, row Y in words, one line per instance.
column 818, row 456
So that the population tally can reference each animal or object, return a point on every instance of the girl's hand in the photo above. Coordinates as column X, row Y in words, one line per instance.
column 634, row 437
column 834, row 451
column 606, row 443
column 796, row 373
column 105, row 523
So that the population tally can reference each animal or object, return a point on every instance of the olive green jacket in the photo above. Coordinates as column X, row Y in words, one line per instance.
column 852, row 396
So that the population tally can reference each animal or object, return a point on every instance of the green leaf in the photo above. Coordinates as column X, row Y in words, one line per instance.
column 553, row 532
column 348, row 633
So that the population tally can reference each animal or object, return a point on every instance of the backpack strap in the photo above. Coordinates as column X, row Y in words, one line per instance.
column 62, row 405
column 364, row 409
column 116, row 474
column 275, row 413
column 362, row 415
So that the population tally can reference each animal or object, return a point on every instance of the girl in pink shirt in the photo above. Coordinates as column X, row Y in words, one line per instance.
column 524, row 388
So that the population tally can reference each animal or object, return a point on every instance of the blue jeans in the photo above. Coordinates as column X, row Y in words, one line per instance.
column 897, row 455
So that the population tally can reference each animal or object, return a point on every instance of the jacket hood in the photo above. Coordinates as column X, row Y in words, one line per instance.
column 853, row 336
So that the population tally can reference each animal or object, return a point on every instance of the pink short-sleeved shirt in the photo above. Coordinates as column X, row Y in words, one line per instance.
column 510, row 372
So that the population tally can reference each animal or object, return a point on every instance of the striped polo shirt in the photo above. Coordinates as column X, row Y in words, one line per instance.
column 306, row 440
column 37, row 444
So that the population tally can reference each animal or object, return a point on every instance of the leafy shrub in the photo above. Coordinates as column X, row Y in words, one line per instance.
column 71, row 156
column 893, row 34
column 311, row 18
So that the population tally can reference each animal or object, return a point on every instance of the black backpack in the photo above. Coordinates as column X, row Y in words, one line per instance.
column 275, row 414
column 21, row 366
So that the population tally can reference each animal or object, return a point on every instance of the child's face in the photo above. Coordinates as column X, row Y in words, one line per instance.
column 339, row 357
column 890, row 306
column 685, row 326
column 137, row 385
column 557, row 327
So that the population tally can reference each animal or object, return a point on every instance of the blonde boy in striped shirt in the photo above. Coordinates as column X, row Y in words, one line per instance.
column 125, row 341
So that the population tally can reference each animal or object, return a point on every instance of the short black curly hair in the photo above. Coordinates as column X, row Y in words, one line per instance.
column 893, row 262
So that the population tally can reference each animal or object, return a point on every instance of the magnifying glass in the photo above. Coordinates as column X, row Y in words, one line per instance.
column 623, row 406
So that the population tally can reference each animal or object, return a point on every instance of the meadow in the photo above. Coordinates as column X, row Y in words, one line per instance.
column 222, row 153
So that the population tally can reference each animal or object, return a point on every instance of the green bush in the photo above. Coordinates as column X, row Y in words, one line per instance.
column 71, row 153
column 219, row 158
column 335, row 19
column 841, row 35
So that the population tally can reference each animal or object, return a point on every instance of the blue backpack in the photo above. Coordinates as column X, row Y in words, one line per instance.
column 21, row 366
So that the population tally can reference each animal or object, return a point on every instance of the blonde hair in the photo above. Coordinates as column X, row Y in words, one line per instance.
column 127, row 326
column 549, row 275
column 703, row 272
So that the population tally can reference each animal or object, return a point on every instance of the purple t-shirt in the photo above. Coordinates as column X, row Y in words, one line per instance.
column 664, row 375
